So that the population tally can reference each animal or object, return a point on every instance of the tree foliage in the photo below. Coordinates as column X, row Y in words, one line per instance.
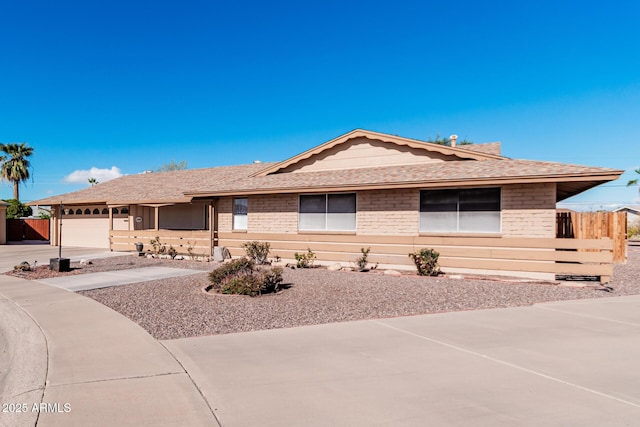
column 15, row 165
column 172, row 166
column 634, row 181
column 447, row 141
column 17, row 209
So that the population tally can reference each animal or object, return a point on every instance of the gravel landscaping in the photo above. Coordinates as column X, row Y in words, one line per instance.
column 178, row 307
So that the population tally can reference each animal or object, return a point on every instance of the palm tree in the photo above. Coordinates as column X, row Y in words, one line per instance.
column 634, row 181
column 14, row 167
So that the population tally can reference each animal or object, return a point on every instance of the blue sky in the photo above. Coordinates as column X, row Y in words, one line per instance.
column 127, row 86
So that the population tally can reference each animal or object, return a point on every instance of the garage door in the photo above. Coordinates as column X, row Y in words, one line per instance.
column 86, row 232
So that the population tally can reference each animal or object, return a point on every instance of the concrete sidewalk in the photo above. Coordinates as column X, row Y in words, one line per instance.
column 101, row 368
column 557, row 364
column 83, row 282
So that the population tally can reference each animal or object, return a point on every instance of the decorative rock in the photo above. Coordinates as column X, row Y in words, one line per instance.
column 392, row 273
column 335, row 267
column 179, row 257
column 150, row 256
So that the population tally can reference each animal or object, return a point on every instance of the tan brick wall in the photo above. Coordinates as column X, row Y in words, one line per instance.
column 273, row 213
column 529, row 210
column 267, row 214
column 225, row 214
column 385, row 212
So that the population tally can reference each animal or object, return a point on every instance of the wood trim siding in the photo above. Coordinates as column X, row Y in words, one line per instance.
column 482, row 254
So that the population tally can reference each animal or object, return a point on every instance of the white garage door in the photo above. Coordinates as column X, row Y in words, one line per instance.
column 86, row 232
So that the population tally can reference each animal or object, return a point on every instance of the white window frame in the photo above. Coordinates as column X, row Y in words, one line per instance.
column 327, row 214
column 240, row 220
column 424, row 222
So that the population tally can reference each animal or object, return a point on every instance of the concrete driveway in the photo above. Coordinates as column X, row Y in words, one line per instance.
column 556, row 364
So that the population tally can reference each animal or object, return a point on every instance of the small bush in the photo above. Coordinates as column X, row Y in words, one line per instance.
column 426, row 261
column 362, row 263
column 23, row 266
column 305, row 260
column 241, row 283
column 633, row 230
column 233, row 267
column 158, row 246
column 172, row 252
column 242, row 277
column 257, row 251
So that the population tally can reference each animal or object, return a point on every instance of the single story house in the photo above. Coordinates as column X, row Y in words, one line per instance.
column 483, row 212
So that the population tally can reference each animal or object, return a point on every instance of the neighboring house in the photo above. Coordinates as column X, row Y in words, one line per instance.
column 633, row 214
column 483, row 212
column 3, row 222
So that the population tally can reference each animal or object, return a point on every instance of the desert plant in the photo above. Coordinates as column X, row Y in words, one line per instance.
column 257, row 251
column 230, row 268
column 243, row 277
column 172, row 252
column 158, row 246
column 362, row 262
column 426, row 261
column 305, row 260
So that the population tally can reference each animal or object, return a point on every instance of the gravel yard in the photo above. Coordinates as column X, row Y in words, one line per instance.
column 178, row 307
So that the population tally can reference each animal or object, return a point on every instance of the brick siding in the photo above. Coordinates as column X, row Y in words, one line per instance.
column 529, row 210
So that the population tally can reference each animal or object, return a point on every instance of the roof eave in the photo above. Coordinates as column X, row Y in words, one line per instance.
column 600, row 178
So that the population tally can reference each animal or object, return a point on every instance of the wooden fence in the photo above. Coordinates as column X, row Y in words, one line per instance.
column 181, row 240
column 528, row 257
column 595, row 225
column 27, row 229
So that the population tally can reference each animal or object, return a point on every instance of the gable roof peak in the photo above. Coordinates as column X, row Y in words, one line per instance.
column 462, row 153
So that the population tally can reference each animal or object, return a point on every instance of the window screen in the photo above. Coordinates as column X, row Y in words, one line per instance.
column 475, row 210
column 330, row 212
column 240, row 212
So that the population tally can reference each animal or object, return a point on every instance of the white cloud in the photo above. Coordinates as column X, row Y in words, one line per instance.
column 101, row 175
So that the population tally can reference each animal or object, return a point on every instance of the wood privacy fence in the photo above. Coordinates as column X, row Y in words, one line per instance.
column 494, row 255
column 595, row 225
column 27, row 229
column 181, row 240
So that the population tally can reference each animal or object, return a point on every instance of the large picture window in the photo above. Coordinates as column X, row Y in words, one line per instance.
column 182, row 217
column 473, row 210
column 327, row 212
column 240, row 210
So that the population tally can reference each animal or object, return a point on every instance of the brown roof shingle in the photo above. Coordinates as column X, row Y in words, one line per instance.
column 182, row 186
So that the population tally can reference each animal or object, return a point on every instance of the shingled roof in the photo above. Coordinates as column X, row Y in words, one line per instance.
column 263, row 178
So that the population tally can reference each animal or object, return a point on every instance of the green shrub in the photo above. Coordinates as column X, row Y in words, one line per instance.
column 426, row 261
column 241, row 283
column 242, row 277
column 230, row 268
column 257, row 251
column 305, row 260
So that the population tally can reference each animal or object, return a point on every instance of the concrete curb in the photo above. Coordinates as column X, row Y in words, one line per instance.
column 23, row 362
